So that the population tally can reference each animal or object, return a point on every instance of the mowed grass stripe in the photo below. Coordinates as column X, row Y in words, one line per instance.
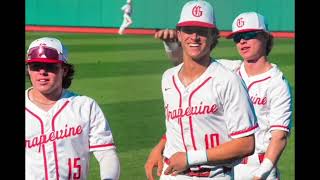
column 116, row 69
column 119, row 56
column 136, row 124
column 119, row 89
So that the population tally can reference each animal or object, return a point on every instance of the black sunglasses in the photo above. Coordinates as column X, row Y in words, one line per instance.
column 246, row 36
column 49, row 67
column 198, row 30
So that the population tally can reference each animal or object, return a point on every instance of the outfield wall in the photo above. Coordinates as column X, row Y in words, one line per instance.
column 151, row 14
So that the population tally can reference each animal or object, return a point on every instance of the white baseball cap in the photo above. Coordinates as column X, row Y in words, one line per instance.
column 248, row 21
column 47, row 50
column 197, row 13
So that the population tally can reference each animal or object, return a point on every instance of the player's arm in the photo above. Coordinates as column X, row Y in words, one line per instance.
column 155, row 159
column 232, row 65
column 221, row 154
column 102, row 144
column 274, row 151
column 280, row 119
column 171, row 46
column 109, row 164
column 123, row 7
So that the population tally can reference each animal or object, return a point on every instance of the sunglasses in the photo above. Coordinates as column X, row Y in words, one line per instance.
column 198, row 30
column 246, row 36
column 49, row 67
column 43, row 52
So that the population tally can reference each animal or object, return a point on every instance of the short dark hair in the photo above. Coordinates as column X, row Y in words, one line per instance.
column 66, row 81
column 269, row 41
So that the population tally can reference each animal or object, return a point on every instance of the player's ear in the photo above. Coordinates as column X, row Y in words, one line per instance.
column 179, row 36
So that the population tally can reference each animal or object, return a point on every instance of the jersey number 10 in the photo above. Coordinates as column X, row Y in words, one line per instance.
column 212, row 140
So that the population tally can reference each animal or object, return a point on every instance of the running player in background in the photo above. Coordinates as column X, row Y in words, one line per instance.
column 62, row 128
column 127, row 21
column 268, row 90
column 210, row 122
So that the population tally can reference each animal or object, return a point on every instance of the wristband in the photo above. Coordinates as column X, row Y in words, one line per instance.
column 170, row 46
column 264, row 169
column 196, row 157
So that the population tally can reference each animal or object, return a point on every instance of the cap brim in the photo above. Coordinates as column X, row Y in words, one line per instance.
column 196, row 23
column 229, row 36
column 44, row 60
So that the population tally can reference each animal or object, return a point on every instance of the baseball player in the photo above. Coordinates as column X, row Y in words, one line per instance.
column 127, row 21
column 210, row 121
column 62, row 127
column 268, row 90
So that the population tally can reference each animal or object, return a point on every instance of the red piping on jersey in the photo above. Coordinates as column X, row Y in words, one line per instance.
column 164, row 137
column 281, row 126
column 254, row 81
column 244, row 131
column 54, row 143
column 190, row 117
column 180, row 105
column 101, row 145
column 43, row 147
column 257, row 82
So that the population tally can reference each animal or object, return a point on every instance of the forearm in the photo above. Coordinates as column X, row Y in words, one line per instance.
column 160, row 146
column 276, row 146
column 273, row 153
column 174, row 51
column 235, row 149
column 109, row 164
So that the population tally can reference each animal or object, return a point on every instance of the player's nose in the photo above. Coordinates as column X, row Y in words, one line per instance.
column 43, row 71
column 195, row 36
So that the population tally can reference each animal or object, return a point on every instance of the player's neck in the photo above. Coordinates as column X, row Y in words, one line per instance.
column 256, row 67
column 192, row 69
column 44, row 101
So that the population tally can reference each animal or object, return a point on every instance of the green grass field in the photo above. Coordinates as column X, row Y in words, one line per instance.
column 123, row 73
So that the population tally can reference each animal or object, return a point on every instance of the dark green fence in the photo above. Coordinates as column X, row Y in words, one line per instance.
column 151, row 13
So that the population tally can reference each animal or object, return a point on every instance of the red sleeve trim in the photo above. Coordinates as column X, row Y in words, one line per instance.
column 164, row 137
column 280, row 126
column 244, row 131
column 102, row 145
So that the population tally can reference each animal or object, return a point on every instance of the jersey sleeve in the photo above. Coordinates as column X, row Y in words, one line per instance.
column 232, row 65
column 239, row 112
column 280, row 106
column 100, row 135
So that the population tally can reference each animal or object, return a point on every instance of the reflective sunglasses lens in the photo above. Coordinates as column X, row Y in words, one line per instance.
column 237, row 38
column 250, row 35
column 245, row 36
column 43, row 52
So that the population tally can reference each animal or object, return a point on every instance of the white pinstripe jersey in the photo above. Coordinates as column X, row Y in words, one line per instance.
column 58, row 142
column 212, row 110
column 271, row 98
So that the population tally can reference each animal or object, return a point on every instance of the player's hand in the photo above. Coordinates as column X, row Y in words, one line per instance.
column 169, row 35
column 177, row 164
column 257, row 178
column 155, row 159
